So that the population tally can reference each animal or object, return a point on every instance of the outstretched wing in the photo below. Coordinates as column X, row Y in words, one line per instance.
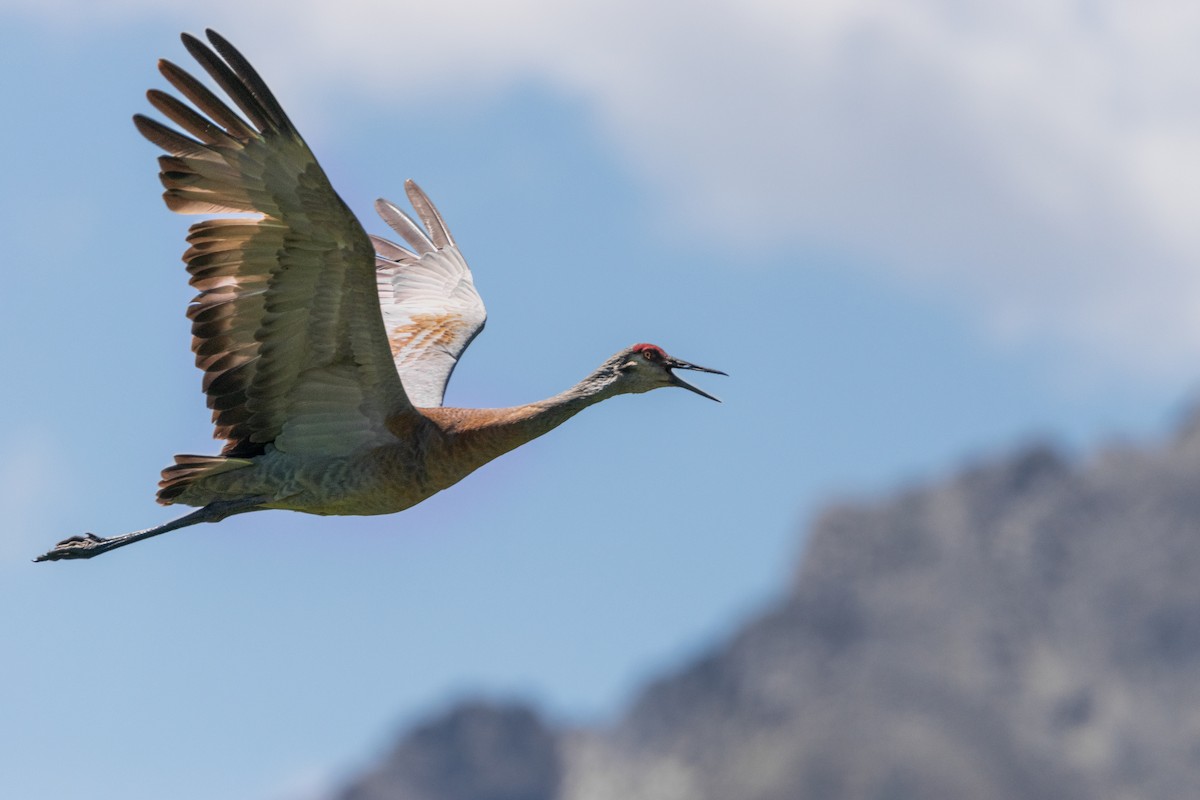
column 430, row 307
column 286, row 325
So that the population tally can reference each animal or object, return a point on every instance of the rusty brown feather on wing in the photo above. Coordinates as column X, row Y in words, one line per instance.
column 432, row 330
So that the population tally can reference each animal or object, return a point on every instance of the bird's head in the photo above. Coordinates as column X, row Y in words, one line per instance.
column 646, row 366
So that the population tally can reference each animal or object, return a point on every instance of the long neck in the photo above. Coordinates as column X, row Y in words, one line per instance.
column 535, row 419
column 480, row 435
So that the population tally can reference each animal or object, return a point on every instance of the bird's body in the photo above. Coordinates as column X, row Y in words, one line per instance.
column 433, row 451
column 325, row 352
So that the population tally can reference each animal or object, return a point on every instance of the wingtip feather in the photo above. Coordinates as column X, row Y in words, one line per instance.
column 429, row 214
column 404, row 225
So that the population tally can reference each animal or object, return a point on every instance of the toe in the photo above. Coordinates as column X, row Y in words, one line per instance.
column 73, row 547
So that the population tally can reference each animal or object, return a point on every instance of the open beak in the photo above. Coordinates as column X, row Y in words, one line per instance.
column 675, row 363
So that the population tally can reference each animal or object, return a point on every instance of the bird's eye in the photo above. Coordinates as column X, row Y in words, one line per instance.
column 650, row 355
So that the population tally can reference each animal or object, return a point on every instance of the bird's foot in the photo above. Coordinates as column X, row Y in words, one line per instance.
column 85, row 546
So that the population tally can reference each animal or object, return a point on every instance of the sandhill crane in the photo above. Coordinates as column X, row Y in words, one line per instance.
column 325, row 352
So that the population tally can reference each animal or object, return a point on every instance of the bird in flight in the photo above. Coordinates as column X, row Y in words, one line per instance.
column 325, row 351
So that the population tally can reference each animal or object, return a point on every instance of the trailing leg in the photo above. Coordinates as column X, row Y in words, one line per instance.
column 90, row 545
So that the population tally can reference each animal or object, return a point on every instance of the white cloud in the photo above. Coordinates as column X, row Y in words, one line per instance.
column 1036, row 163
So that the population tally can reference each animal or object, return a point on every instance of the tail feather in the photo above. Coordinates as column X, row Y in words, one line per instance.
column 187, row 469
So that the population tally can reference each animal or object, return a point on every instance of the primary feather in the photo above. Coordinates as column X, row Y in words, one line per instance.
column 286, row 325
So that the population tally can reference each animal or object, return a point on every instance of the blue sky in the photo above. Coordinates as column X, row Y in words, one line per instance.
column 912, row 239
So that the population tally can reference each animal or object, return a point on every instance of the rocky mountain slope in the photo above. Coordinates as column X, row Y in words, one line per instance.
column 1025, row 629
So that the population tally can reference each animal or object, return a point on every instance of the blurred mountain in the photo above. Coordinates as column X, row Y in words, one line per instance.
column 476, row 752
column 1028, row 628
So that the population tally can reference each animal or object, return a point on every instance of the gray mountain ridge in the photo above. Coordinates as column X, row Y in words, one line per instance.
column 1028, row 628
